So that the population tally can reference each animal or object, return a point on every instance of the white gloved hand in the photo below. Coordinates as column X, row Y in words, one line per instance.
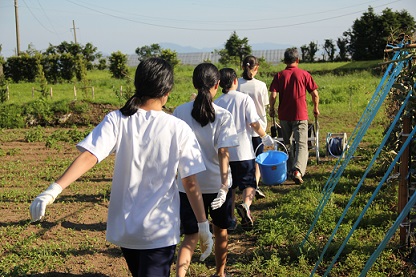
column 217, row 202
column 38, row 206
column 205, row 240
column 267, row 140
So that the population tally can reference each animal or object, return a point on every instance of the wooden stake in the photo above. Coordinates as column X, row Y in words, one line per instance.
column 403, row 183
column 75, row 93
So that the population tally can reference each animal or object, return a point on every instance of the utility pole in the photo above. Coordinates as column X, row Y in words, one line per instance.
column 75, row 32
column 17, row 27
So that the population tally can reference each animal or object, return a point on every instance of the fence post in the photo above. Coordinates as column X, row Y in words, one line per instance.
column 75, row 93
column 121, row 90
column 8, row 93
column 93, row 94
column 51, row 92
column 403, row 182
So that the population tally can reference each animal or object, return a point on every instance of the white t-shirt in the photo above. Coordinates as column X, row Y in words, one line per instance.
column 257, row 90
column 242, row 107
column 218, row 134
column 150, row 147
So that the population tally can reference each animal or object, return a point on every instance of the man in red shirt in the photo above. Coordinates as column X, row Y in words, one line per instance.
column 292, row 84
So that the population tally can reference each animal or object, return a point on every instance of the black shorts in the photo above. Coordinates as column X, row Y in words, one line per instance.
column 256, row 142
column 220, row 217
column 149, row 262
column 243, row 174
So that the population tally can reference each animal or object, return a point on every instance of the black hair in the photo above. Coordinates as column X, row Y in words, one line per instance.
column 205, row 76
column 227, row 77
column 291, row 55
column 153, row 79
column 249, row 63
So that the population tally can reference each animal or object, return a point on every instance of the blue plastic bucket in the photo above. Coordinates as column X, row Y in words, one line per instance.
column 273, row 168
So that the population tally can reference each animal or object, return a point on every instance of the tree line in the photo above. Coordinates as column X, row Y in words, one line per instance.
column 365, row 40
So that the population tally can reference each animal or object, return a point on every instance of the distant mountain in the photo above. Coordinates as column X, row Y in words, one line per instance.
column 186, row 49
column 189, row 49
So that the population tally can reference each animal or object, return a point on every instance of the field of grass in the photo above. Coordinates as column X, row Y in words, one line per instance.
column 70, row 241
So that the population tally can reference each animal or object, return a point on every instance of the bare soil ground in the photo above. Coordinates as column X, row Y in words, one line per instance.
column 74, row 227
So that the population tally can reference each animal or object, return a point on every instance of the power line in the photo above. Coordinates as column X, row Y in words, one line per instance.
column 41, row 24
column 232, row 29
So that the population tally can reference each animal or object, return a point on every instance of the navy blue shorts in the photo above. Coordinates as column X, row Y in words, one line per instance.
column 256, row 142
column 244, row 174
column 220, row 217
column 149, row 262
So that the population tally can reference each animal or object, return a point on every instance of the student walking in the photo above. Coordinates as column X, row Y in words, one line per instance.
column 292, row 84
column 242, row 158
column 257, row 90
column 215, row 130
column 150, row 147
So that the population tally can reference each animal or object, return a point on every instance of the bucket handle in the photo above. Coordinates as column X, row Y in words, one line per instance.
column 275, row 146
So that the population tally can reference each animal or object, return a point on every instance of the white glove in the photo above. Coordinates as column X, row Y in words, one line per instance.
column 217, row 202
column 267, row 140
column 38, row 206
column 205, row 240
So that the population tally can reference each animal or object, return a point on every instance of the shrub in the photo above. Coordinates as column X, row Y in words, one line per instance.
column 11, row 116
column 118, row 67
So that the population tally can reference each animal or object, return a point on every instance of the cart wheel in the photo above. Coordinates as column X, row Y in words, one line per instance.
column 317, row 140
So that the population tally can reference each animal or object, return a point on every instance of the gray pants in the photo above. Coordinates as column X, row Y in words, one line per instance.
column 295, row 137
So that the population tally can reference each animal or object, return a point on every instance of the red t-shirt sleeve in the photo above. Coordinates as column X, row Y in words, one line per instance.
column 274, row 84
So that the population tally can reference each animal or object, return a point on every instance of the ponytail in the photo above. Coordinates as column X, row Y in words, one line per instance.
column 249, row 63
column 205, row 77
column 203, row 111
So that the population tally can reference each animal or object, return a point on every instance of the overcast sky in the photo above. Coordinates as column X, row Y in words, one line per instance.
column 125, row 25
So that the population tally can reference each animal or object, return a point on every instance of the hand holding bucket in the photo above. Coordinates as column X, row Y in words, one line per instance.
column 272, row 165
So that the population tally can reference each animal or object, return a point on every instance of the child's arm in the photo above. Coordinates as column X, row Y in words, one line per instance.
column 195, row 199
column 84, row 162
column 223, row 158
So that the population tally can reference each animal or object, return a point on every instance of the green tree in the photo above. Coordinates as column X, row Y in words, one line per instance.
column 118, row 65
column 329, row 48
column 342, row 49
column 147, row 51
column 3, row 83
column 89, row 51
column 102, row 64
column 304, row 50
column 369, row 34
column 154, row 50
column 170, row 56
column 312, row 49
column 40, row 76
column 235, row 49
column 2, row 61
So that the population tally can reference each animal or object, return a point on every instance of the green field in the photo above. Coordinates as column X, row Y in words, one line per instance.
column 70, row 241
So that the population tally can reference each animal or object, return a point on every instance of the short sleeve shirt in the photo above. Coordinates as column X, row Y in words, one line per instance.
column 292, row 84
column 242, row 107
column 257, row 90
column 150, row 148
column 211, row 137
